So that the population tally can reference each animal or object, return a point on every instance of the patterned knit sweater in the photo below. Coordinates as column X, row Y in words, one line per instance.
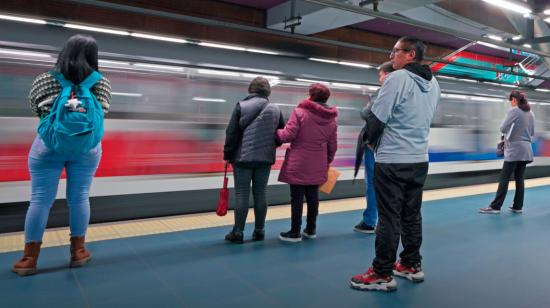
column 45, row 89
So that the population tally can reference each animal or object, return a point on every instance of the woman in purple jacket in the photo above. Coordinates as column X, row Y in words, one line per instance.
column 311, row 131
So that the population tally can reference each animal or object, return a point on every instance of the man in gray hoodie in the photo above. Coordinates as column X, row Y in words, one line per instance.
column 399, row 126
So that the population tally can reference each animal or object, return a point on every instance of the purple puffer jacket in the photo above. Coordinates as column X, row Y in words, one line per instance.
column 311, row 131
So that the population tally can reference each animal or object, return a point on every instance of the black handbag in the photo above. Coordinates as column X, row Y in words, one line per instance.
column 500, row 149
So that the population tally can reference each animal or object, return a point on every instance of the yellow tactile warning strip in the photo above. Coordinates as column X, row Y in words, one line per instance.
column 106, row 231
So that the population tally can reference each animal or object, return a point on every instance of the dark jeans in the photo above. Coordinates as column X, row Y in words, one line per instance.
column 259, row 177
column 518, row 168
column 399, row 199
column 297, row 193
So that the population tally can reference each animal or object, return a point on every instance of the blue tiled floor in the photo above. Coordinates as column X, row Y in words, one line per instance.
column 470, row 260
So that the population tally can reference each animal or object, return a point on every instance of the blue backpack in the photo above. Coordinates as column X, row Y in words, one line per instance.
column 73, row 131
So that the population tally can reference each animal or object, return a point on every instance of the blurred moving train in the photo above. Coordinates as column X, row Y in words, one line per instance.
column 162, row 150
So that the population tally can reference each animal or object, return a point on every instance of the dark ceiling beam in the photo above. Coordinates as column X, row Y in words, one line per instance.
column 420, row 24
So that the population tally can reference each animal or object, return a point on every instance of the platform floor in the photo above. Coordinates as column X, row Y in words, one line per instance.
column 470, row 260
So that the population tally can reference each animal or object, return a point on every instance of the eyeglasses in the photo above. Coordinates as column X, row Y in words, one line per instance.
column 395, row 50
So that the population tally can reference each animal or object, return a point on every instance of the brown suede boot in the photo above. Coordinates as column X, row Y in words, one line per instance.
column 27, row 264
column 79, row 254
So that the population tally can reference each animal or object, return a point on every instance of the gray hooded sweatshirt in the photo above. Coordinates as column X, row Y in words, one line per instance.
column 406, row 106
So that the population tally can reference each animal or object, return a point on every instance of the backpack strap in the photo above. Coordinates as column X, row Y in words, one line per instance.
column 91, row 80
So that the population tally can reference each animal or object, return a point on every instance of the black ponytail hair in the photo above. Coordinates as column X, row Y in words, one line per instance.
column 78, row 58
column 523, row 104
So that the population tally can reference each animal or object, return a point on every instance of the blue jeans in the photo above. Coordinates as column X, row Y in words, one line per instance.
column 370, row 215
column 45, row 167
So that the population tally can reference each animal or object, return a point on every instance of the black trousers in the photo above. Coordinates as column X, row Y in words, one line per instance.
column 518, row 168
column 297, row 193
column 399, row 196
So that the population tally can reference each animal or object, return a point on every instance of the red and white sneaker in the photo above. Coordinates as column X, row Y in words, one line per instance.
column 373, row 282
column 414, row 274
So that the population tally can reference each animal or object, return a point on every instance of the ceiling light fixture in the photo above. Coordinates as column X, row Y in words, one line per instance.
column 354, row 64
column 222, row 46
column 96, row 29
column 508, row 5
column 267, row 52
column 160, row 67
column 23, row 19
column 220, row 73
column 159, row 38
column 127, row 94
column 208, row 99
column 345, row 85
column 323, row 60
column 312, row 81
column 25, row 53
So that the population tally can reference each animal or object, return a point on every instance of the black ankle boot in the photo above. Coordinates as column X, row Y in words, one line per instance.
column 234, row 237
column 258, row 235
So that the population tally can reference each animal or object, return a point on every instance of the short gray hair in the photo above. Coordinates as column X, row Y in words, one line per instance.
column 260, row 85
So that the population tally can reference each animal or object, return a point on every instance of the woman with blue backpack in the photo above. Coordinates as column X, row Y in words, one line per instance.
column 70, row 101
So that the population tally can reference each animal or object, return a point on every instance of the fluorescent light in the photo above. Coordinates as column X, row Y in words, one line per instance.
column 373, row 88
column 208, row 99
column 273, row 82
column 547, row 19
column 113, row 62
column 509, row 6
column 494, row 37
column 492, row 46
column 544, row 104
column 346, row 108
column 547, row 12
column 323, row 60
column 160, row 67
column 346, row 85
column 159, row 38
column 486, row 99
column 455, row 96
column 96, row 29
column 223, row 46
column 220, row 73
column 446, row 77
column 527, row 45
column 467, row 80
column 127, row 94
column 25, row 53
column 312, row 81
column 542, row 90
column 23, row 19
column 517, row 37
column 355, row 64
column 268, row 77
column 267, row 52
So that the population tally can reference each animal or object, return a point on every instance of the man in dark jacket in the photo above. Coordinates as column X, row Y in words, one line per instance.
column 370, row 214
column 399, row 125
column 250, row 148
